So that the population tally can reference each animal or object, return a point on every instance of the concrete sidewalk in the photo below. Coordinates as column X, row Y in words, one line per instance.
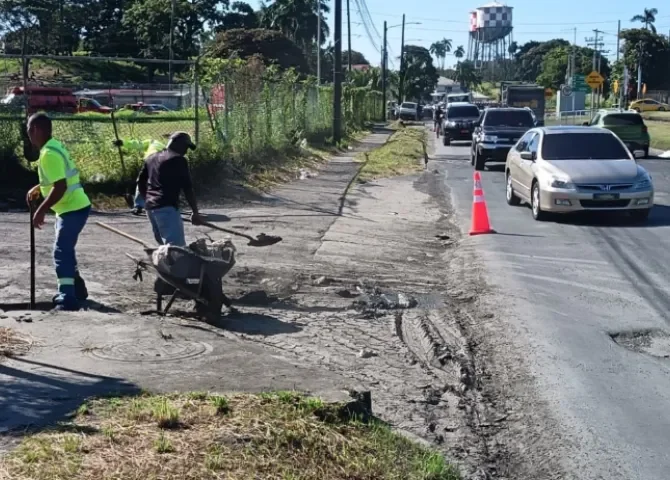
column 92, row 352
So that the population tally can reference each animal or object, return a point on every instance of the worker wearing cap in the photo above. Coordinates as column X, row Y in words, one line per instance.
column 145, row 148
column 63, row 193
column 163, row 177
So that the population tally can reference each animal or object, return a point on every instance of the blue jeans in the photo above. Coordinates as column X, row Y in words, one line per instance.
column 68, row 227
column 167, row 225
column 138, row 201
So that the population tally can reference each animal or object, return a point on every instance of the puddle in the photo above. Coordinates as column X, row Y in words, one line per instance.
column 654, row 342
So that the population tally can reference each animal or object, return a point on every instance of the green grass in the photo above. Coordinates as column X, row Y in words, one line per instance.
column 660, row 134
column 402, row 154
column 280, row 435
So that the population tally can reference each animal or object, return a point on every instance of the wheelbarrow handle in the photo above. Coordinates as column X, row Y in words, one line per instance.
column 123, row 234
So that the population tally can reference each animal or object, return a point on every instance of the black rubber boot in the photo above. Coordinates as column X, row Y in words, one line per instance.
column 80, row 288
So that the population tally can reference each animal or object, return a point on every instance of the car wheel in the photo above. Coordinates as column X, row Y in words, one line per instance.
column 646, row 152
column 512, row 199
column 479, row 161
column 636, row 109
column 661, row 109
column 446, row 140
column 538, row 214
column 640, row 215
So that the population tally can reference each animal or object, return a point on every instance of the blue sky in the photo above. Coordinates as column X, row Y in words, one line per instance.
column 533, row 20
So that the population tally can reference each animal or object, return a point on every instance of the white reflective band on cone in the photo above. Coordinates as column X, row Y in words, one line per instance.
column 479, row 199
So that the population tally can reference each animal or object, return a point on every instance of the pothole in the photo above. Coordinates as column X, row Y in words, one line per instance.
column 150, row 351
column 654, row 342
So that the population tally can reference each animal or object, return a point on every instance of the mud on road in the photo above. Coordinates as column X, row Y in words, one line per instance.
column 374, row 287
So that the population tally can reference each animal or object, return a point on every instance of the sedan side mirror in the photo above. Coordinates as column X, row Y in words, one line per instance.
column 586, row 124
column 527, row 156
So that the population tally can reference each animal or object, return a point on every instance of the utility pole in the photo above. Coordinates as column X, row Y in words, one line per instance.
column 596, row 43
column 337, row 74
column 318, row 42
column 349, row 38
column 639, row 70
column 401, row 86
column 573, row 61
column 383, row 74
column 172, row 9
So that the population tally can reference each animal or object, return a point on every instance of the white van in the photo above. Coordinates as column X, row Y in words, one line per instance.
column 459, row 97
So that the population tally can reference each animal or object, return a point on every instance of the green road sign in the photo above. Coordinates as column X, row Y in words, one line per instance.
column 578, row 84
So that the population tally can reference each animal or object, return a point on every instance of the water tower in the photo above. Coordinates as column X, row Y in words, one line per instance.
column 490, row 34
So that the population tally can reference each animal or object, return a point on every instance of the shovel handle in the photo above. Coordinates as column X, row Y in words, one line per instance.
column 31, row 207
column 225, row 230
column 123, row 234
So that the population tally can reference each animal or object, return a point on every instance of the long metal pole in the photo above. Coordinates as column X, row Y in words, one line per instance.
column 401, row 86
column 337, row 74
column 172, row 9
column 572, row 67
column 384, row 76
column 349, row 38
column 639, row 70
column 318, row 42
column 595, row 54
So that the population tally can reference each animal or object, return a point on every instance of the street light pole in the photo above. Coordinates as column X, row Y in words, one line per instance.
column 349, row 38
column 337, row 74
column 401, row 83
column 383, row 74
column 318, row 43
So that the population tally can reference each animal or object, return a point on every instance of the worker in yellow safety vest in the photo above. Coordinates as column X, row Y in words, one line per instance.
column 63, row 193
column 145, row 148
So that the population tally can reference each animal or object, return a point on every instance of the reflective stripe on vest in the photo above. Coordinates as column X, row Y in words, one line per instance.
column 70, row 172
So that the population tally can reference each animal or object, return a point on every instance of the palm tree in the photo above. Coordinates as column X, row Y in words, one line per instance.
column 648, row 18
column 440, row 49
column 459, row 52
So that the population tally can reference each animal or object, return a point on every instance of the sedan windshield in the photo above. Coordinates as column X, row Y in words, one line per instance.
column 408, row 105
column 583, row 146
column 509, row 118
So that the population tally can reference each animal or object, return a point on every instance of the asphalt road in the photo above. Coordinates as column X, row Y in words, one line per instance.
column 569, row 286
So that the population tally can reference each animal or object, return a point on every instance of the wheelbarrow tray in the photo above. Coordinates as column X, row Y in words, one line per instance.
column 196, row 277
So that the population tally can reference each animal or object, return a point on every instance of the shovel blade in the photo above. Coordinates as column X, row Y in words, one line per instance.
column 263, row 240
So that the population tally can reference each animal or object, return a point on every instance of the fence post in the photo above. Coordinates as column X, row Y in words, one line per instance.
column 197, row 100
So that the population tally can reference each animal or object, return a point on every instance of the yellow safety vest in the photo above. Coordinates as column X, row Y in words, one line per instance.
column 74, row 198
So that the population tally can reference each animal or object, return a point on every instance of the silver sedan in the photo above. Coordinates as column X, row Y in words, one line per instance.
column 569, row 169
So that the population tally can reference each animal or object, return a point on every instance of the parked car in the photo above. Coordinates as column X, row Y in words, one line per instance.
column 147, row 108
column 408, row 111
column 496, row 132
column 649, row 105
column 459, row 122
column 91, row 105
column 47, row 99
column 627, row 125
column 567, row 169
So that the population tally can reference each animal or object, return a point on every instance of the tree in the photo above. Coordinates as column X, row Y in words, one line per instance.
column 467, row 75
column 440, row 49
column 513, row 48
column 652, row 50
column 272, row 46
column 530, row 55
column 648, row 18
column 357, row 58
column 151, row 20
column 240, row 15
column 297, row 19
column 106, row 34
column 459, row 52
column 420, row 75
column 555, row 66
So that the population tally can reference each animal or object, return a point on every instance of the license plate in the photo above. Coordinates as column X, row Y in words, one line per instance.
column 464, row 131
column 606, row 196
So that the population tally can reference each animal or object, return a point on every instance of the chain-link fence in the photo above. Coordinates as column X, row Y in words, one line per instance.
column 248, row 115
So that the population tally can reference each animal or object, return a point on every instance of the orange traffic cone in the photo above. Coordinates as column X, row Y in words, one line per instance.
column 480, row 215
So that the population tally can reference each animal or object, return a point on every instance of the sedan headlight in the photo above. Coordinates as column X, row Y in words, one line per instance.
column 489, row 138
column 561, row 183
column 643, row 182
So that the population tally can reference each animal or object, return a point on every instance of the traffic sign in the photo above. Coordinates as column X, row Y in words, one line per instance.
column 566, row 90
column 594, row 80
column 548, row 92
column 578, row 84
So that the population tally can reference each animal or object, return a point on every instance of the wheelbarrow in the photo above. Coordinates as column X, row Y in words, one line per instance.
column 183, row 273
column 192, row 273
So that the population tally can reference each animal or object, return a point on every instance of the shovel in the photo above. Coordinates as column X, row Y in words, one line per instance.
column 261, row 240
